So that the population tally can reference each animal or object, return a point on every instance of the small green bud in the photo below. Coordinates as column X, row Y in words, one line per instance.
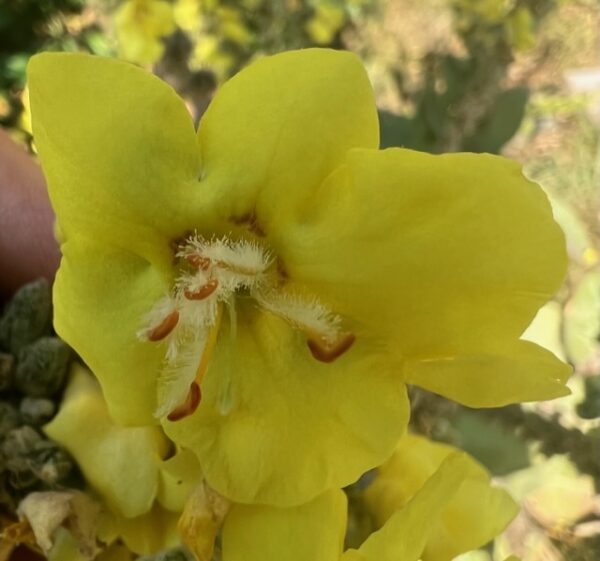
column 42, row 367
column 7, row 370
column 36, row 411
column 29, row 459
column 27, row 317
column 50, row 463
column 20, row 442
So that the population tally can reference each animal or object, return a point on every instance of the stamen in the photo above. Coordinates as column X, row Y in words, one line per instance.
column 164, row 328
column 307, row 315
column 203, row 292
column 325, row 352
column 198, row 261
column 189, row 405
column 194, row 395
column 241, row 257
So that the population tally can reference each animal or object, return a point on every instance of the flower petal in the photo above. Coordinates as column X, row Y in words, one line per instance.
column 278, row 128
column 310, row 532
column 146, row 534
column 474, row 516
column 179, row 476
column 66, row 549
column 101, row 295
column 406, row 533
column 443, row 256
column 120, row 463
column 118, row 150
column 521, row 371
column 277, row 427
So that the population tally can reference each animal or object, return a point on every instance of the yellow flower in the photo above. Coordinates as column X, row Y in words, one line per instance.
column 267, row 286
column 476, row 513
column 231, row 26
column 315, row 531
column 520, row 29
column 140, row 26
column 326, row 22
column 144, row 493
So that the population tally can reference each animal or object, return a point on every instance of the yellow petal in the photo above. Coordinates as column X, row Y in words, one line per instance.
column 441, row 257
column 179, row 476
column 405, row 534
column 277, row 129
column 118, row 150
column 275, row 426
column 310, row 532
column 101, row 295
column 476, row 514
column 521, row 371
column 65, row 549
column 146, row 534
column 120, row 463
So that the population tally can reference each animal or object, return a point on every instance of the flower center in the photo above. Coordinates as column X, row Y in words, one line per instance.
column 187, row 321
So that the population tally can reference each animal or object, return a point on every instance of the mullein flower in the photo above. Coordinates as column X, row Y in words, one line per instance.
column 266, row 287
column 476, row 514
column 315, row 531
column 143, row 493
column 140, row 26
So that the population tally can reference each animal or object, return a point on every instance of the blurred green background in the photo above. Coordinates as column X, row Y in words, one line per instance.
column 516, row 77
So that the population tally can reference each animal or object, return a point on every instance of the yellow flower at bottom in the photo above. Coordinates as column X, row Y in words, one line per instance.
column 476, row 514
column 143, row 493
column 267, row 286
column 315, row 531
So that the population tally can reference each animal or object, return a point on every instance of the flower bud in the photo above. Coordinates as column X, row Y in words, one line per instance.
column 27, row 316
column 42, row 367
column 36, row 411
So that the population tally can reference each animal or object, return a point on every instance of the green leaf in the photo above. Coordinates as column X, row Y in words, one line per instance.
column 501, row 123
column 495, row 446
column 395, row 130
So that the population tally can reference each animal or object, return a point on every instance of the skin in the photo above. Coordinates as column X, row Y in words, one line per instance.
column 28, row 249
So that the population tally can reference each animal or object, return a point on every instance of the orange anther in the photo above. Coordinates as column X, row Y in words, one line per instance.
column 190, row 404
column 329, row 352
column 165, row 327
column 203, row 292
column 198, row 261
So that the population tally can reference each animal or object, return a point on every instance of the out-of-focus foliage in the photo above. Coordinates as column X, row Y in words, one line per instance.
column 463, row 102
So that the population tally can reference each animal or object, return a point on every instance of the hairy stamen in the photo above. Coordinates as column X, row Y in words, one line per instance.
column 203, row 292
column 327, row 352
column 198, row 261
column 164, row 328
column 190, row 404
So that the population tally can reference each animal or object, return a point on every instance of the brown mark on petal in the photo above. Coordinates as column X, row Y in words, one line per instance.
column 165, row 327
column 249, row 221
column 176, row 244
column 190, row 404
column 325, row 352
column 203, row 292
